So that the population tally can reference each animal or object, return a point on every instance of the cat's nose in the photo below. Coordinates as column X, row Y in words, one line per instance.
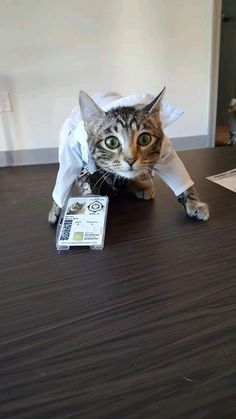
column 131, row 161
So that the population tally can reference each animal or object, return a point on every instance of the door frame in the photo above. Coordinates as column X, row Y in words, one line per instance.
column 214, row 74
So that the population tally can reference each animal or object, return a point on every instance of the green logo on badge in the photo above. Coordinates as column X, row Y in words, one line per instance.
column 78, row 236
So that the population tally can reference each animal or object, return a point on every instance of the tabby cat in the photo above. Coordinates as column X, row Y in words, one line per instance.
column 125, row 143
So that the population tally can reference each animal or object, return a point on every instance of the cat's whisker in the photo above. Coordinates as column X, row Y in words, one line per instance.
column 114, row 181
column 99, row 180
column 99, row 170
column 123, row 180
column 152, row 170
column 145, row 167
column 151, row 181
column 105, row 178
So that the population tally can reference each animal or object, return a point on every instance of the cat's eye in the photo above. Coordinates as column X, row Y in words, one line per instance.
column 144, row 139
column 112, row 143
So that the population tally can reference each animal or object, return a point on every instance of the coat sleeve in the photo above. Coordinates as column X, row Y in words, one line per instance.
column 172, row 170
column 70, row 166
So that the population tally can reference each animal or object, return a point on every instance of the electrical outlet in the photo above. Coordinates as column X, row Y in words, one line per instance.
column 5, row 103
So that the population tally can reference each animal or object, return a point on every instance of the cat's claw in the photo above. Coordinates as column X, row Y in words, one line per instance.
column 198, row 210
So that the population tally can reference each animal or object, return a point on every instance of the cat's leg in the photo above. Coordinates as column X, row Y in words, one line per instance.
column 232, row 138
column 54, row 213
column 193, row 206
column 70, row 167
column 142, row 189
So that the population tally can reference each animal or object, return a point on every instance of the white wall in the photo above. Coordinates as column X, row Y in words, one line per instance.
column 49, row 50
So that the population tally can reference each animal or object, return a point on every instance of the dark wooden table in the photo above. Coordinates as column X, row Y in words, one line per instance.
column 143, row 329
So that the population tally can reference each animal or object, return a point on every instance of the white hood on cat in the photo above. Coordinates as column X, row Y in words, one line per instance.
column 74, row 153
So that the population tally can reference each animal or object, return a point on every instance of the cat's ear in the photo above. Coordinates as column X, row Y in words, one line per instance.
column 154, row 106
column 90, row 111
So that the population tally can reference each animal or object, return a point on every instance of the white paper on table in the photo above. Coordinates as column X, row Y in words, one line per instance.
column 225, row 179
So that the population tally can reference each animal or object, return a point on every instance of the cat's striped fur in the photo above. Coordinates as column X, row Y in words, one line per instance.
column 125, row 143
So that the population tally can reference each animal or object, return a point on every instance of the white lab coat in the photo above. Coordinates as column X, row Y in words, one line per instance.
column 74, row 153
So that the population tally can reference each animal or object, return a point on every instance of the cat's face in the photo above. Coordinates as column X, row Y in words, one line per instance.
column 125, row 141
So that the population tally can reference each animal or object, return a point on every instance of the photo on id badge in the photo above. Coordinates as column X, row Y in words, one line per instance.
column 76, row 208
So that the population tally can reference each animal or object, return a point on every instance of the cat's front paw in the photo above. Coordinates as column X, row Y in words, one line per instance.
column 145, row 193
column 198, row 210
column 54, row 213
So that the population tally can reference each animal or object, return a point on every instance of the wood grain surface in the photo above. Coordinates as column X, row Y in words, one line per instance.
column 143, row 329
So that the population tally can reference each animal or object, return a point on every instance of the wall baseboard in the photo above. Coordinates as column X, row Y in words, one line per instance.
column 50, row 155
column 27, row 157
column 190, row 143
